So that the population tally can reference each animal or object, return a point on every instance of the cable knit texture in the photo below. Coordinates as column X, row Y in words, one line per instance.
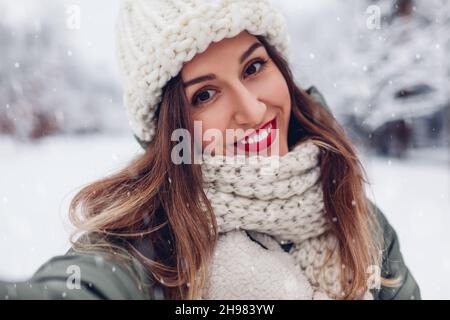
column 155, row 38
column 258, row 207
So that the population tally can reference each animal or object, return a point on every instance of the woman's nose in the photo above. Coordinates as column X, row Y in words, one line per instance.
column 248, row 110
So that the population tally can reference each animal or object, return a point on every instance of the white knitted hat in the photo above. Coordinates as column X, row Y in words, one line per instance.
column 155, row 38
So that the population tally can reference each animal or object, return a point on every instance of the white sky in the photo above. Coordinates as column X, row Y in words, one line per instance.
column 95, row 40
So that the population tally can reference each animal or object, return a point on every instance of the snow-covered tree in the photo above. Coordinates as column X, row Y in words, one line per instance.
column 381, row 64
column 401, row 73
column 44, row 88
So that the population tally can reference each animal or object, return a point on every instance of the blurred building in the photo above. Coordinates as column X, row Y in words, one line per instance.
column 406, row 79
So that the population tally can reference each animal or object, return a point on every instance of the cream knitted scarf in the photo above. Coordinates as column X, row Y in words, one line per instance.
column 259, row 202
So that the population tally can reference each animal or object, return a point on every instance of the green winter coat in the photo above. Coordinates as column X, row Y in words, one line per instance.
column 103, row 275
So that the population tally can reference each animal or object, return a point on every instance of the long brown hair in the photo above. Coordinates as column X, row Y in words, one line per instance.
column 164, row 204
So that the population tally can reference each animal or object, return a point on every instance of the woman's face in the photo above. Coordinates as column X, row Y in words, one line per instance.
column 234, row 89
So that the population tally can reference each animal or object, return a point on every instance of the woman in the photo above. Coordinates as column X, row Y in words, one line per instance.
column 162, row 228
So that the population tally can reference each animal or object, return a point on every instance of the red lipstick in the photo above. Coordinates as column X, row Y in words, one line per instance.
column 261, row 139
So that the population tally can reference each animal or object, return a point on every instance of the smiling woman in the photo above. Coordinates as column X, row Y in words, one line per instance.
column 220, row 230
column 245, row 91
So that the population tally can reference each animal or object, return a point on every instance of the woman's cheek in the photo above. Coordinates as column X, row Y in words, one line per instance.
column 274, row 90
column 213, row 124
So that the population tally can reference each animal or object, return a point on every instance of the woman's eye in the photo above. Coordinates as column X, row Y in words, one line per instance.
column 202, row 97
column 255, row 67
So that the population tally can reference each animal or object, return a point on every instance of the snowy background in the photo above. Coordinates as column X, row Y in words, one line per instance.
column 383, row 69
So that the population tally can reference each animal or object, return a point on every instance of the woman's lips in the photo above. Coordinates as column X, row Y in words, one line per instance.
column 261, row 139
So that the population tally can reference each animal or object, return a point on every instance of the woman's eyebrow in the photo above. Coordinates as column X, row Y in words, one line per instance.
column 207, row 77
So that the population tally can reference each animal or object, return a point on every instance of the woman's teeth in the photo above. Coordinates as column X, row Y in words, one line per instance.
column 263, row 134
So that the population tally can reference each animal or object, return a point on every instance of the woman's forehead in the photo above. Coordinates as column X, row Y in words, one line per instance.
column 228, row 49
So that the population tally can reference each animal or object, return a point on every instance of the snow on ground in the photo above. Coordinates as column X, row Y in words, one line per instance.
column 36, row 185
column 414, row 194
column 37, row 182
